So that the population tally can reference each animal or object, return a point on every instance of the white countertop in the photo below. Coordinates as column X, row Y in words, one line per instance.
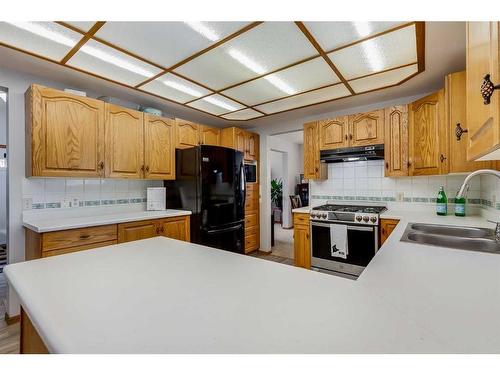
column 302, row 210
column 165, row 296
column 92, row 218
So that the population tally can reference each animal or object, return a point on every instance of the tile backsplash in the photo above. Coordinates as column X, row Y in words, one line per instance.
column 52, row 192
column 365, row 181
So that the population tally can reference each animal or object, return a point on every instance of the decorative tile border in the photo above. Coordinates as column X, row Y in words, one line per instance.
column 90, row 203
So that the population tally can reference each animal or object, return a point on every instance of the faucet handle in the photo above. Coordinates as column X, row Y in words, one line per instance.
column 494, row 222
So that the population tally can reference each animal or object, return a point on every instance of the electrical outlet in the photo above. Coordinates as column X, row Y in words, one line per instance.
column 400, row 196
column 65, row 203
column 27, row 203
column 75, row 202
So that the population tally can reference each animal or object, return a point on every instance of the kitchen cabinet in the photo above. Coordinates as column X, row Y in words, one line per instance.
column 483, row 116
column 428, row 136
column 64, row 134
column 333, row 133
column 252, row 229
column 187, row 134
column 396, row 141
column 138, row 230
column 159, row 148
column 301, row 240
column 313, row 168
column 209, row 136
column 175, row 227
column 455, row 89
column 386, row 228
column 233, row 137
column 124, row 138
column 251, row 146
column 366, row 129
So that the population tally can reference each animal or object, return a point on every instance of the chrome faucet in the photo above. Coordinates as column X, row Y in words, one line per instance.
column 497, row 230
column 465, row 185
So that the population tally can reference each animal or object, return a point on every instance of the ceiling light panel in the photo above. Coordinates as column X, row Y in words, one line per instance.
column 97, row 58
column 306, row 76
column 166, row 43
column 216, row 104
column 244, row 114
column 332, row 35
column 264, row 48
column 175, row 88
column 317, row 96
column 389, row 78
column 47, row 39
column 387, row 51
column 82, row 25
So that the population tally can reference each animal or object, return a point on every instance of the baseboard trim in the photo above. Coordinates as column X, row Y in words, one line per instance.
column 12, row 319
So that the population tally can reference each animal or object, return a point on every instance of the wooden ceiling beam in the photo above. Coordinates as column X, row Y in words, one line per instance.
column 89, row 34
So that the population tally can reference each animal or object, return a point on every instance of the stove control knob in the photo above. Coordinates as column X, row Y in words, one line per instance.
column 365, row 219
column 323, row 216
column 359, row 218
column 373, row 219
column 313, row 214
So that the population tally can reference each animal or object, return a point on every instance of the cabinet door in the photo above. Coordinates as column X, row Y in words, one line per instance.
column 187, row 134
column 159, row 148
column 366, row 128
column 209, row 136
column 302, row 247
column 313, row 169
column 386, row 228
column 483, row 120
column 138, row 230
column 66, row 133
column 240, row 140
column 124, row 142
column 176, row 228
column 333, row 133
column 428, row 136
column 396, row 141
column 252, row 146
column 456, row 115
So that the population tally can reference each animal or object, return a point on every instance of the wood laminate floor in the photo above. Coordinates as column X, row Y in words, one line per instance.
column 9, row 334
column 283, row 242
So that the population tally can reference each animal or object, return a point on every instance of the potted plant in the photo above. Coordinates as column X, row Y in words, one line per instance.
column 277, row 196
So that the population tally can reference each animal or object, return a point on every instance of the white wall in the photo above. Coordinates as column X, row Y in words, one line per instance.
column 3, row 171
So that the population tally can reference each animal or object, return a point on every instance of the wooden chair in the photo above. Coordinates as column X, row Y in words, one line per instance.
column 295, row 201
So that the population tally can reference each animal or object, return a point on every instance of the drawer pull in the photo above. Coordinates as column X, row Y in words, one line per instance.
column 487, row 88
column 84, row 236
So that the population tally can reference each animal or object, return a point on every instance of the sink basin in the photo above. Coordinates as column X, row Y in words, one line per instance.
column 450, row 230
column 453, row 237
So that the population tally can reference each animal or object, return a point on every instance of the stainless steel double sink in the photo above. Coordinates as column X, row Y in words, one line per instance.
column 454, row 237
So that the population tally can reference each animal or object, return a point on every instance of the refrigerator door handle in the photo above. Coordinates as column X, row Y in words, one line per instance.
column 230, row 229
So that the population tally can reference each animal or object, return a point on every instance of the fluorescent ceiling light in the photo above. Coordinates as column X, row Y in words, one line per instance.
column 369, row 47
column 46, row 31
column 204, row 30
column 183, row 88
column 219, row 103
column 3, row 96
column 256, row 68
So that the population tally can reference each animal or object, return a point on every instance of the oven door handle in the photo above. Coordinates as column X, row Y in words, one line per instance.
column 361, row 229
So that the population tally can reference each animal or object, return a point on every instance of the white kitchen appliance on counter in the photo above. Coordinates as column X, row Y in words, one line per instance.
column 156, row 199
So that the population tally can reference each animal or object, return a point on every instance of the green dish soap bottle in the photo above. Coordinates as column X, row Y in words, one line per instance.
column 442, row 202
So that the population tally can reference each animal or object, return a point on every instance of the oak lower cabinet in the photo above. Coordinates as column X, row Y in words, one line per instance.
column 396, row 141
column 366, row 129
column 252, row 228
column 428, row 136
column 313, row 168
column 483, row 113
column 159, row 148
column 124, row 136
column 187, row 134
column 64, row 134
column 333, row 133
column 386, row 228
column 42, row 245
column 301, row 240
column 209, row 136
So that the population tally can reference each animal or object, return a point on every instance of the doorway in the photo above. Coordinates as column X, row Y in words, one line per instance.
column 3, row 200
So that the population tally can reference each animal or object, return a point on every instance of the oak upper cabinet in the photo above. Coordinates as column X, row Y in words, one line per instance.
column 159, row 148
column 455, row 90
column 124, row 142
column 428, row 137
column 187, row 134
column 251, row 146
column 241, row 140
column 366, row 129
column 209, row 136
column 313, row 168
column 64, row 134
column 483, row 115
column 396, row 141
column 333, row 133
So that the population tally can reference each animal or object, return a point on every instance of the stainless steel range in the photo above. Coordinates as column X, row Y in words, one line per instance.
column 344, row 238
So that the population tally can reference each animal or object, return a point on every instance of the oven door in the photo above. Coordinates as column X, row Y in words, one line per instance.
column 362, row 244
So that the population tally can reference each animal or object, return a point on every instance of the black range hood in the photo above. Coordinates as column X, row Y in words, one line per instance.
column 340, row 155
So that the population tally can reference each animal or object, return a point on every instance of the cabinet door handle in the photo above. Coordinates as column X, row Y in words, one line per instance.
column 350, row 136
column 101, row 165
column 142, row 168
column 84, row 236
column 147, row 168
column 346, row 136
column 487, row 88
column 157, row 230
column 386, row 165
column 459, row 131
column 442, row 158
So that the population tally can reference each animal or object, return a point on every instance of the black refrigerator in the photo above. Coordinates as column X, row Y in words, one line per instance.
column 210, row 182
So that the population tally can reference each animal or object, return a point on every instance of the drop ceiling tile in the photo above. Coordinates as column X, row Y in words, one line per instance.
column 387, row 51
column 47, row 39
column 97, row 58
column 175, row 88
column 332, row 35
column 264, row 48
column 244, row 114
column 82, row 25
column 383, row 79
column 306, row 76
column 167, row 42
column 313, row 97
column 216, row 104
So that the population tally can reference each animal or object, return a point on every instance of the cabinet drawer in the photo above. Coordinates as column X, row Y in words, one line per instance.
column 251, row 242
column 251, row 231
column 301, row 219
column 78, row 237
column 67, row 250
column 251, row 220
